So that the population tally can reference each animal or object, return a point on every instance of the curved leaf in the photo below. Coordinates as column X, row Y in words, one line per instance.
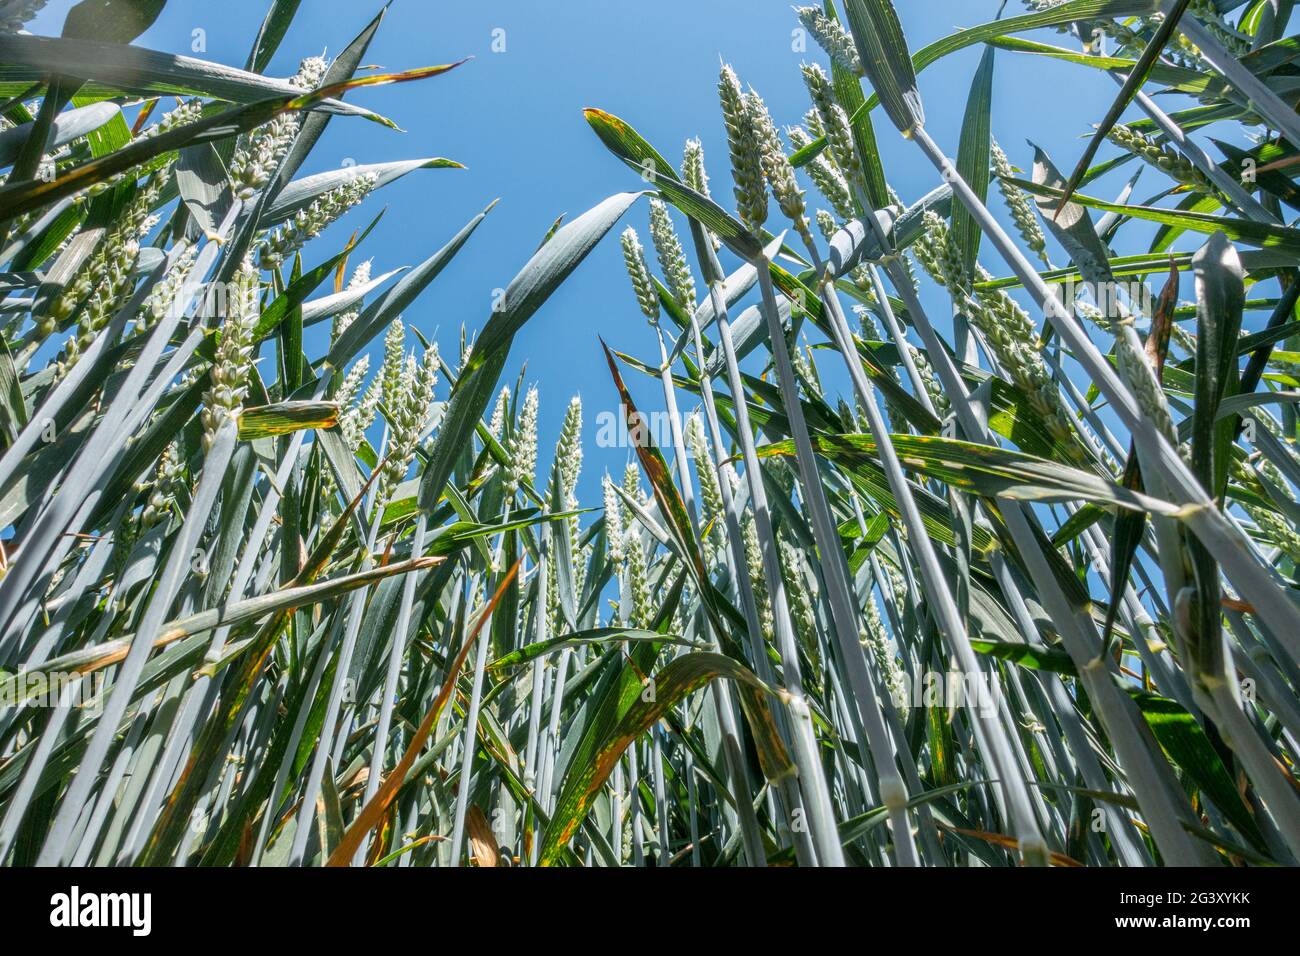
column 617, row 731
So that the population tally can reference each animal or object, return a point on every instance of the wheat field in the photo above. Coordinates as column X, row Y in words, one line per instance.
column 1011, row 581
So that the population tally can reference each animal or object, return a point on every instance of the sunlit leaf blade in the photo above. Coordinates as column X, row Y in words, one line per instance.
column 973, row 157
column 543, row 273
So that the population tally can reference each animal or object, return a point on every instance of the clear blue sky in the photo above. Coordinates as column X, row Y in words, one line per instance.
column 514, row 119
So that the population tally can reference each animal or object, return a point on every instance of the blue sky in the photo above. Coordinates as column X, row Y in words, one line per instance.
column 514, row 119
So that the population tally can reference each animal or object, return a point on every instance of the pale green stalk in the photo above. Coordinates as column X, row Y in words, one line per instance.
column 1079, row 633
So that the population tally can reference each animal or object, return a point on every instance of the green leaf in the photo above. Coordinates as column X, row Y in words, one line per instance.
column 541, row 276
column 1130, row 525
column 1062, row 14
column 1069, row 223
column 619, row 726
column 300, row 193
column 1185, row 742
column 134, row 69
column 1220, row 297
column 1177, row 78
column 13, row 407
column 593, row 635
column 117, row 21
column 802, row 157
column 856, row 827
column 680, row 527
column 274, row 26
column 66, row 127
column 811, row 304
column 343, row 68
column 1031, row 656
column 885, row 58
column 204, row 186
column 392, row 303
column 28, row 194
column 302, row 286
column 1263, row 234
column 282, row 418
column 628, row 145
column 973, row 159
column 848, row 92
column 1137, row 76
column 986, row 469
